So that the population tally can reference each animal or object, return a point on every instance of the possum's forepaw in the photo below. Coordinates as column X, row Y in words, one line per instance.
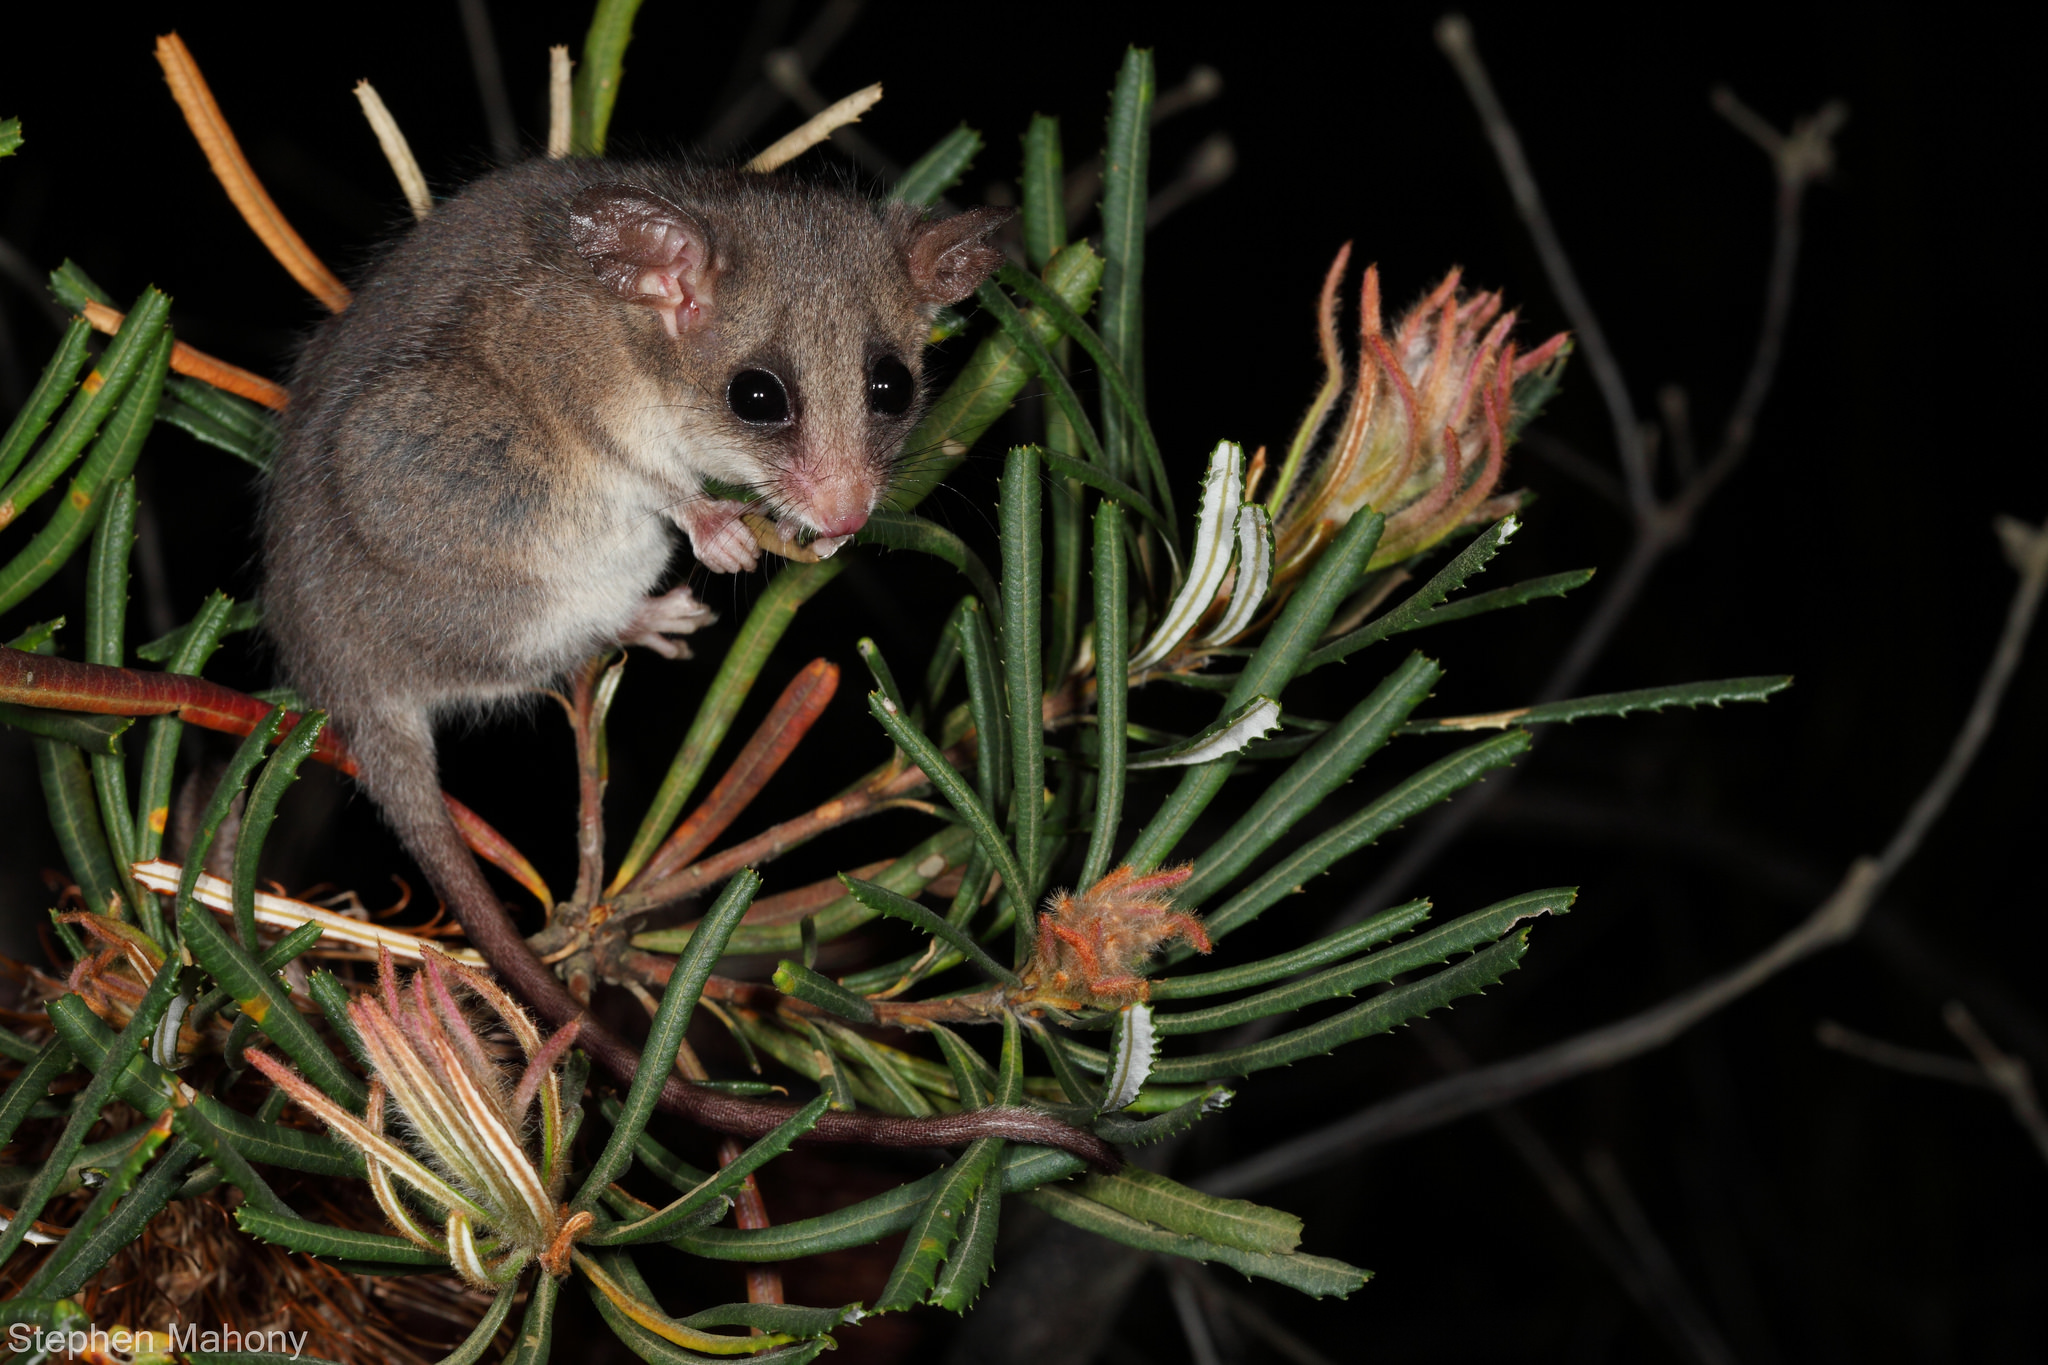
column 675, row 612
column 719, row 539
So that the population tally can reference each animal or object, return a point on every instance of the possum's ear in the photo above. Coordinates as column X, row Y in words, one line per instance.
column 948, row 258
column 647, row 251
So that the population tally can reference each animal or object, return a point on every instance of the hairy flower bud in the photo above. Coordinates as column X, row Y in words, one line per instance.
column 1423, row 439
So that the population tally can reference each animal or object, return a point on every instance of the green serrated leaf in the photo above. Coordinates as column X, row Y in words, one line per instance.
column 1608, row 704
column 1271, row 668
column 938, row 170
column 954, row 788
column 85, row 1110
column 93, row 734
column 1334, row 948
column 1312, row 779
column 1112, row 698
column 1126, row 163
column 795, row 979
column 322, row 1239
column 1439, row 781
column 1159, row 1199
column 1427, row 949
column 235, row 617
column 1023, row 544
column 1042, row 192
column 265, row 1001
column 1130, row 1132
column 883, row 901
column 484, row 1334
column 665, row 1222
column 665, row 1034
column 965, row 1272
column 50, row 1061
column 58, row 379
column 125, row 399
column 86, row 1252
column 1464, row 565
column 937, row 1225
column 1315, row 1276
column 988, row 383
column 598, row 74
column 1381, row 1014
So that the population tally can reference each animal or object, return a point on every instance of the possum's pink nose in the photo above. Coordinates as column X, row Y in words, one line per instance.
column 839, row 509
column 844, row 523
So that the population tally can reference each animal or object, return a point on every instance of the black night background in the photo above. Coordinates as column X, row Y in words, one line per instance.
column 1740, row 1194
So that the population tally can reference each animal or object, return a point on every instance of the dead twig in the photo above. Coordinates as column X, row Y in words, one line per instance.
column 238, row 178
column 788, row 72
column 397, row 151
column 816, row 129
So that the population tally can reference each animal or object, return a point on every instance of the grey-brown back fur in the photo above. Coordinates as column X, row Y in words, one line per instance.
column 472, row 489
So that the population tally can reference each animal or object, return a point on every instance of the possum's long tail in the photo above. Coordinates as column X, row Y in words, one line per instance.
column 395, row 761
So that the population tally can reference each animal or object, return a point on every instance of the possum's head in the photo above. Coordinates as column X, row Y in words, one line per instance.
column 796, row 315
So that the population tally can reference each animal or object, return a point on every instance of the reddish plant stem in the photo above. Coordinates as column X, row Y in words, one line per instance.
column 791, row 718
column 98, row 689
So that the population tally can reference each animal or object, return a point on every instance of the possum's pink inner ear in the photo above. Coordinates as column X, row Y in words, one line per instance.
column 949, row 259
column 645, row 250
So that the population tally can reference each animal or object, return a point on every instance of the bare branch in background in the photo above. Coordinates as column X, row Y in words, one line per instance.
column 1573, row 463
column 1834, row 921
column 2006, row 1073
column 1262, row 1324
column 490, row 80
column 1635, row 1256
column 1912, row 1061
column 1454, row 36
column 1751, row 861
column 1207, row 167
column 1194, row 1322
column 1798, row 159
column 743, row 118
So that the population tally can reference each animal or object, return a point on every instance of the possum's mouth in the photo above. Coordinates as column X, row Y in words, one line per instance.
column 789, row 539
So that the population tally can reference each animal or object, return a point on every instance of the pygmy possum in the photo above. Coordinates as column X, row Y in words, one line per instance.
column 484, row 454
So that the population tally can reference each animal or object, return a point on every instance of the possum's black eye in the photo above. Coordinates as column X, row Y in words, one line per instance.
column 890, row 387
column 757, row 397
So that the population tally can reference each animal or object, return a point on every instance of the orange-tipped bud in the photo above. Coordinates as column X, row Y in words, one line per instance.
column 1093, row 947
